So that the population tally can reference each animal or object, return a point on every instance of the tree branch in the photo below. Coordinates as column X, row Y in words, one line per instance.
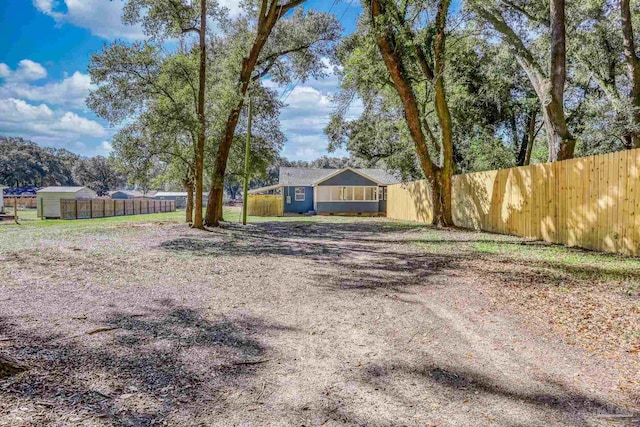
column 500, row 25
column 190, row 30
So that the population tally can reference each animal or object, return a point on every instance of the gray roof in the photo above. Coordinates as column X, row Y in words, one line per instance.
column 308, row 177
column 133, row 193
column 62, row 189
column 381, row 176
column 263, row 189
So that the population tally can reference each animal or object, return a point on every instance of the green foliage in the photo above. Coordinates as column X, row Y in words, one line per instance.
column 24, row 163
column 99, row 174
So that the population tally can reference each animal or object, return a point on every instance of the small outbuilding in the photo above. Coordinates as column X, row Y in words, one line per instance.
column 179, row 197
column 126, row 194
column 48, row 199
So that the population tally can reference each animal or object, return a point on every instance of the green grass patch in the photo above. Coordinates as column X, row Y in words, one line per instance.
column 579, row 263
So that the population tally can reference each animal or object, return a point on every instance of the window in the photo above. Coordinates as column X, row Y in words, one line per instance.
column 300, row 194
column 358, row 193
column 371, row 193
column 383, row 193
column 335, row 193
column 346, row 194
column 323, row 194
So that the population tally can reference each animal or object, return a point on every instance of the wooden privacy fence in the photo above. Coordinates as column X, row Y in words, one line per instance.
column 23, row 202
column 591, row 202
column 99, row 208
column 265, row 205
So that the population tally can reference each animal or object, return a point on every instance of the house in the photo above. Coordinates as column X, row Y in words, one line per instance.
column 180, row 197
column 48, row 199
column 126, row 194
column 347, row 191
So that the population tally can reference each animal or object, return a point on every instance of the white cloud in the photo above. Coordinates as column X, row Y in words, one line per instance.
column 303, row 121
column 308, row 112
column 5, row 71
column 101, row 17
column 33, row 121
column 73, row 123
column 30, row 71
column 44, row 113
column 68, row 93
column 18, row 111
column 303, row 97
column 106, row 146
column 27, row 71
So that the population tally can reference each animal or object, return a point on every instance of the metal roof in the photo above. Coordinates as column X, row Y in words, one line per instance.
column 175, row 194
column 62, row 189
column 134, row 193
column 170, row 194
column 263, row 189
column 19, row 191
column 307, row 177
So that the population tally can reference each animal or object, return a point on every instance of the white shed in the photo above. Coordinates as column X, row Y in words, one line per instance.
column 48, row 199
column 1, row 199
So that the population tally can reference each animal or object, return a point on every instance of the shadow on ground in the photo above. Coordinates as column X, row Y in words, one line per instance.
column 376, row 259
column 161, row 364
column 465, row 385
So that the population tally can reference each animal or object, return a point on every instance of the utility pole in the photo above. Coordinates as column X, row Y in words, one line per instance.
column 245, row 198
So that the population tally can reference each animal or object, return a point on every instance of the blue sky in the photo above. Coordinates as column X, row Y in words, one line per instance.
column 44, row 51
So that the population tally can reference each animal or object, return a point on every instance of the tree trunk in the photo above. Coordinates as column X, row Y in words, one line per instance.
column 214, row 205
column 550, row 91
column 202, row 123
column 439, row 178
column 437, row 197
column 269, row 15
column 633, row 67
column 445, row 174
column 563, row 143
column 188, row 187
column 526, row 145
column 386, row 42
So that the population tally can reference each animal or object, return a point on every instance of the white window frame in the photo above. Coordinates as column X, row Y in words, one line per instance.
column 296, row 194
column 351, row 187
column 382, row 193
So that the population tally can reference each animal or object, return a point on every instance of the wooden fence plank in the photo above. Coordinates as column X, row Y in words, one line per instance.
column 109, row 208
column 84, row 209
column 634, row 222
column 591, row 202
column 119, row 208
column 128, row 207
column 68, row 209
column 265, row 205
column 97, row 208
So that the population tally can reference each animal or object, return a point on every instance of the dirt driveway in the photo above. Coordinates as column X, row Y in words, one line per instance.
column 369, row 323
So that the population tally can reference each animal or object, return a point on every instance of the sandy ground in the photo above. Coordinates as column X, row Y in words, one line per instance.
column 293, row 323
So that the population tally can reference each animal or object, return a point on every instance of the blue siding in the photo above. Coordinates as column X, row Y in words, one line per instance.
column 301, row 206
column 348, row 178
column 382, row 205
column 348, row 207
